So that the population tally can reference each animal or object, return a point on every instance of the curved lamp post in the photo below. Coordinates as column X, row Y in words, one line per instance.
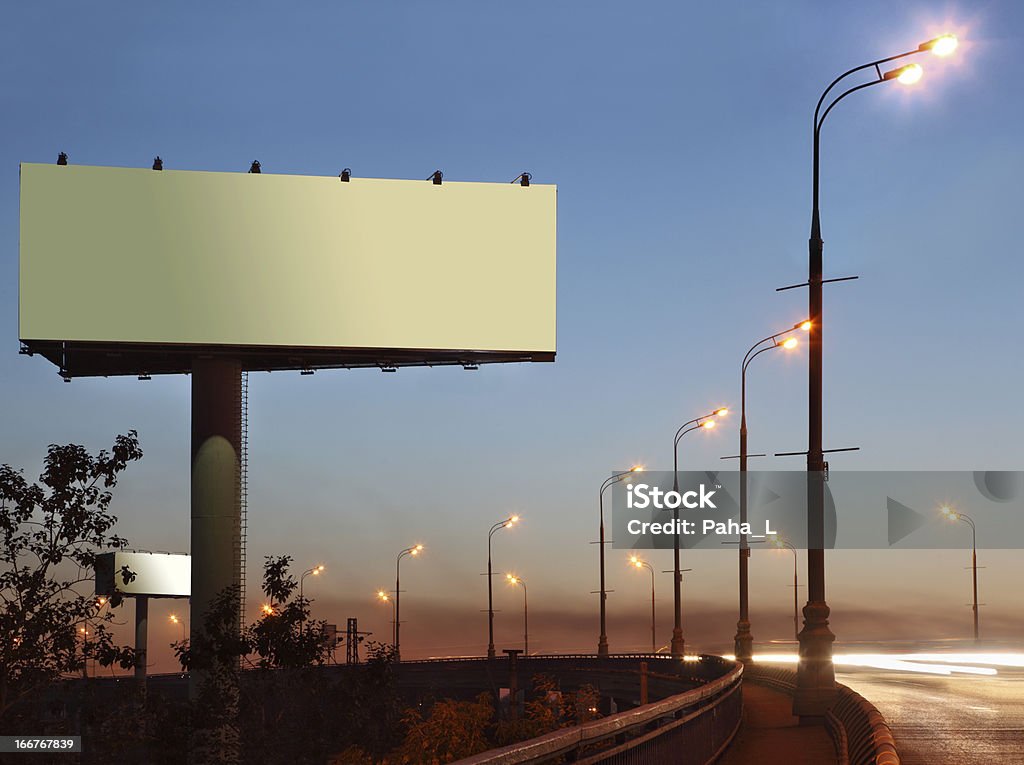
column 175, row 619
column 383, row 597
column 642, row 564
column 744, row 639
column 955, row 516
column 782, row 544
column 816, row 682
column 614, row 478
column 513, row 579
column 706, row 421
column 414, row 551
column 512, row 520
column 315, row 571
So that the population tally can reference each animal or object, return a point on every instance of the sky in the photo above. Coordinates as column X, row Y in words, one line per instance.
column 679, row 138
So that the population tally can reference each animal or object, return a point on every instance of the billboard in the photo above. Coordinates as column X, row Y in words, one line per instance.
column 159, row 575
column 127, row 271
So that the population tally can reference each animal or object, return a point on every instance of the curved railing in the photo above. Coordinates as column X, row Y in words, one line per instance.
column 690, row 728
column 860, row 733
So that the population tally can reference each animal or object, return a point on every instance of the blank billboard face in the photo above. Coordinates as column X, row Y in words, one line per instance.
column 117, row 260
column 137, row 573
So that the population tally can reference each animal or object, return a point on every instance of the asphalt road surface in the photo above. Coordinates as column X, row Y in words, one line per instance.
column 957, row 719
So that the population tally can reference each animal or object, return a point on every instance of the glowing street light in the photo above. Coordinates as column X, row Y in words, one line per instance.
column 943, row 45
column 905, row 75
column 509, row 522
column 815, row 686
column 173, row 618
column 513, row 579
column 602, row 640
column 267, row 609
column 315, row 571
column 383, row 597
column 744, row 639
column 85, row 651
column 704, row 422
column 952, row 515
column 413, row 551
column 637, row 563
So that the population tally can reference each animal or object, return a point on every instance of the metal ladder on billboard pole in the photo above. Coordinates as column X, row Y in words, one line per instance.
column 243, row 496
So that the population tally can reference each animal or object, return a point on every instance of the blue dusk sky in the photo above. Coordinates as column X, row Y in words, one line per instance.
column 679, row 135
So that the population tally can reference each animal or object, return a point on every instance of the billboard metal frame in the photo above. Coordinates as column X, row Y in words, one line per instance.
column 95, row 359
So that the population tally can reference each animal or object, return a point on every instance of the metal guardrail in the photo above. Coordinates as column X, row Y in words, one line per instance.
column 691, row 728
column 860, row 733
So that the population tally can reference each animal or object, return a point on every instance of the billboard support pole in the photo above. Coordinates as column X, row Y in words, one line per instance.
column 141, row 636
column 215, row 500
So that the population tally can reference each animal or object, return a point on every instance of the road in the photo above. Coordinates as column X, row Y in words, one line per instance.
column 956, row 719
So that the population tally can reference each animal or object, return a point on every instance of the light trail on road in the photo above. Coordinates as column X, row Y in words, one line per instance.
column 944, row 708
column 927, row 663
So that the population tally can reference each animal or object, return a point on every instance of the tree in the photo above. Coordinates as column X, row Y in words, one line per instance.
column 51, row 624
column 285, row 637
column 274, row 716
column 451, row 731
column 548, row 710
column 213, row 655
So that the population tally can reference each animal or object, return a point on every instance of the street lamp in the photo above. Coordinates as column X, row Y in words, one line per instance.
column 174, row 619
column 315, row 571
column 513, row 579
column 953, row 515
column 383, row 597
column 84, row 632
column 706, row 422
column 512, row 520
column 614, row 478
column 782, row 544
column 413, row 551
column 642, row 564
column 744, row 640
column 816, row 679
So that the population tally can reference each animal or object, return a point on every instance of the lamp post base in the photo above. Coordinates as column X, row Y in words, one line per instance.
column 678, row 644
column 815, row 675
column 602, row 647
column 744, row 642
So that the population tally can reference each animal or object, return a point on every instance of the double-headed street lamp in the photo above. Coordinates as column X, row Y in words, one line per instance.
column 614, row 478
column 513, row 579
column 175, row 619
column 744, row 640
column 953, row 515
column 704, row 422
column 383, row 597
column 414, row 551
column 315, row 571
column 637, row 563
column 512, row 520
column 782, row 544
column 816, row 680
